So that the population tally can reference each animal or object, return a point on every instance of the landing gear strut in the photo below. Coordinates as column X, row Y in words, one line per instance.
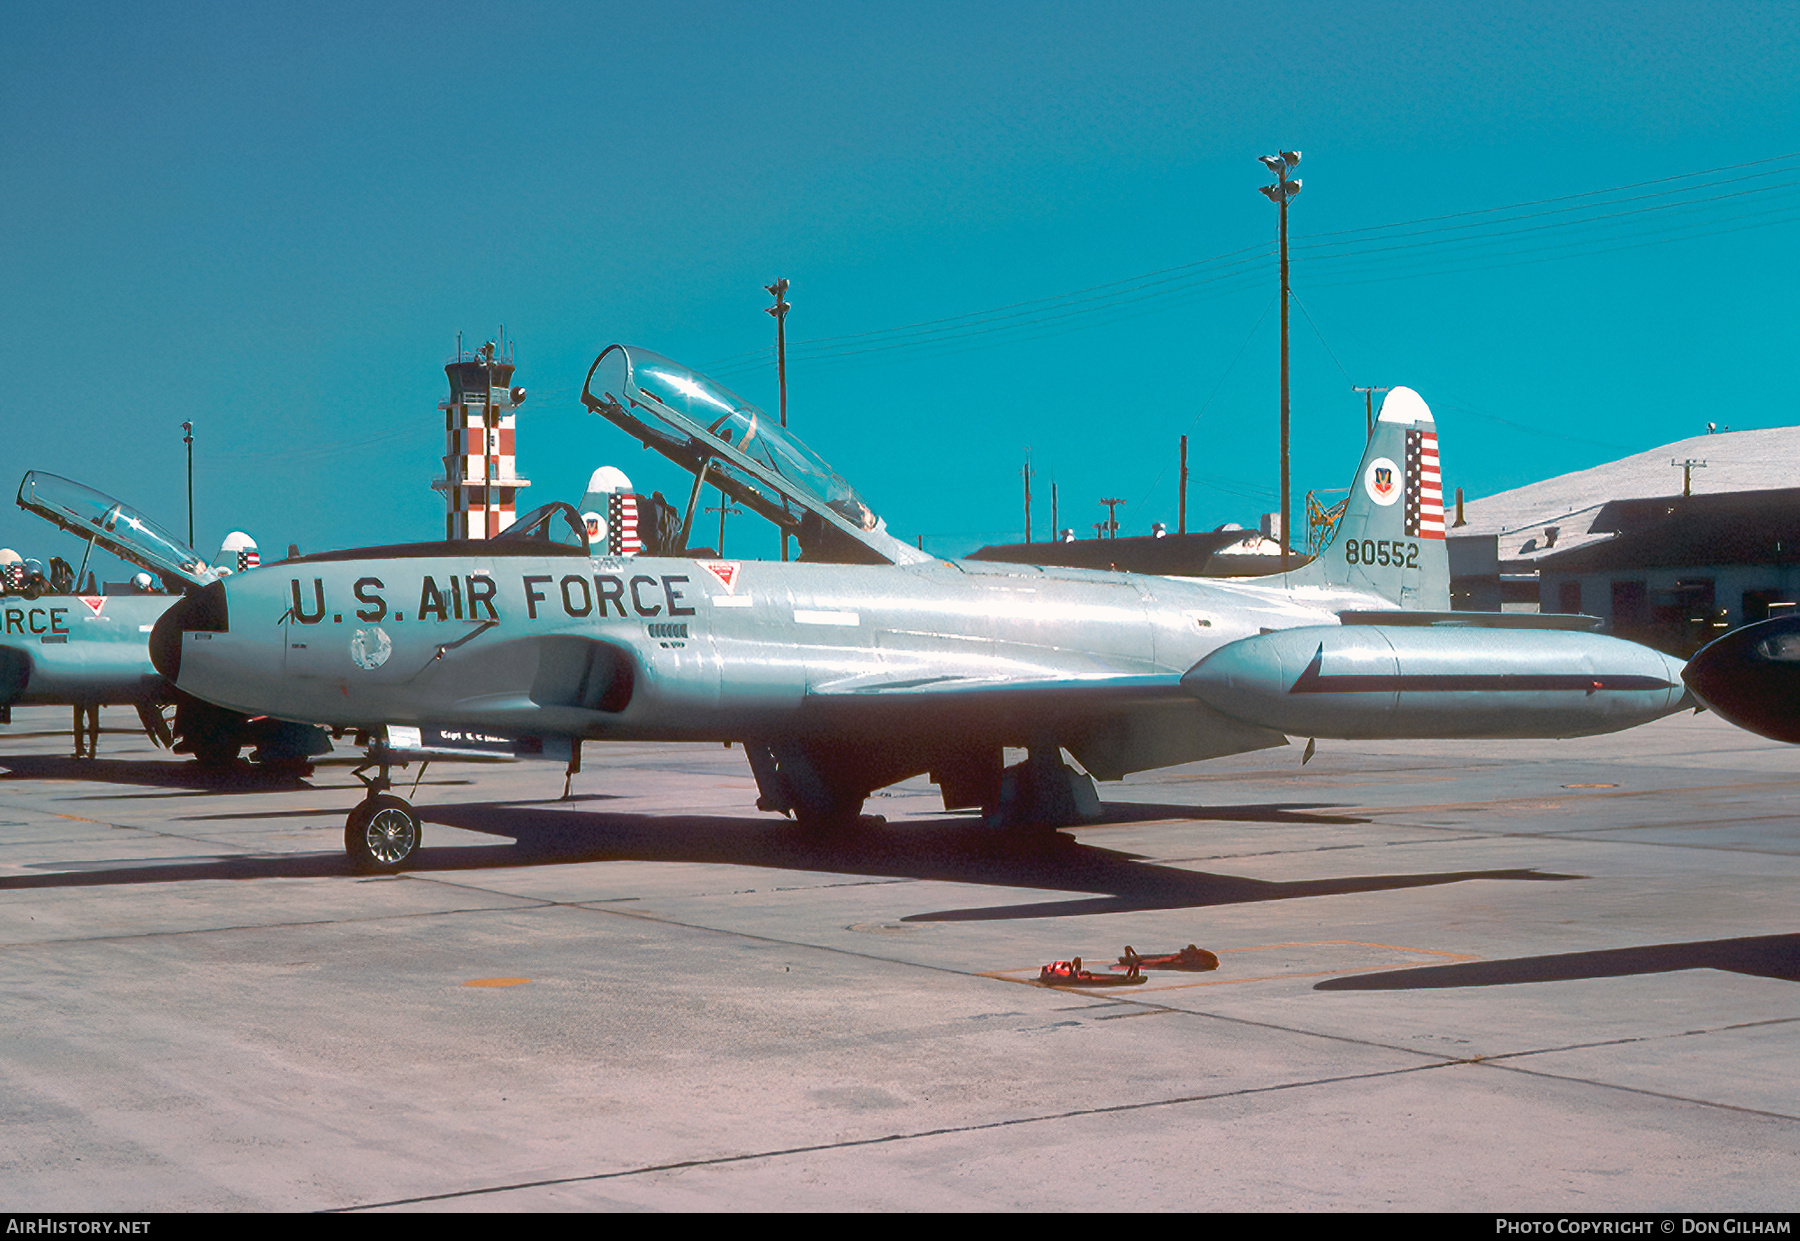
column 791, row 781
column 1044, row 793
column 382, row 833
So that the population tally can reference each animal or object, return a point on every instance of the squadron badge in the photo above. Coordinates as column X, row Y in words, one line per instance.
column 1382, row 481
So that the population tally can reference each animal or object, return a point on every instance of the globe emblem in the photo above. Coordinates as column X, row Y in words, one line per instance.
column 370, row 648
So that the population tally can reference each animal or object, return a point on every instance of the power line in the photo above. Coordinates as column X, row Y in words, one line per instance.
column 1635, row 185
column 1112, row 301
column 1579, row 223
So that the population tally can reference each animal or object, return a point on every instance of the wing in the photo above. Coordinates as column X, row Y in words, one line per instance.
column 1113, row 723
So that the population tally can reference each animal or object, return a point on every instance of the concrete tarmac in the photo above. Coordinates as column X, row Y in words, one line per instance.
column 1546, row 976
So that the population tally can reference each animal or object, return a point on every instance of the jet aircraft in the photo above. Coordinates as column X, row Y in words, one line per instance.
column 868, row 661
column 59, row 646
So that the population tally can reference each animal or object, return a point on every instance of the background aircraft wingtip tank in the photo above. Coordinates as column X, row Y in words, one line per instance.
column 1751, row 677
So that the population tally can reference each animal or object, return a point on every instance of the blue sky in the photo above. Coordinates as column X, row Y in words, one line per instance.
column 274, row 221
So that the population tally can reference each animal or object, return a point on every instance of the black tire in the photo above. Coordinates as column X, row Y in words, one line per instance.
column 832, row 812
column 211, row 734
column 381, row 834
column 214, row 753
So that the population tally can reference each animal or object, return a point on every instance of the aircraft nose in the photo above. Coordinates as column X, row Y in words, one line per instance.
column 202, row 610
column 1751, row 677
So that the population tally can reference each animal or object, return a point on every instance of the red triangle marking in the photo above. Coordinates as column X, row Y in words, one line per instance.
column 94, row 602
column 725, row 572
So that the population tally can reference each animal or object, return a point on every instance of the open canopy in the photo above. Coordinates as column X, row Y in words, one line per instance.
column 119, row 528
column 728, row 443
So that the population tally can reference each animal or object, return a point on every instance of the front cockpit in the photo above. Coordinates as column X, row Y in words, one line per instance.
column 120, row 529
column 555, row 524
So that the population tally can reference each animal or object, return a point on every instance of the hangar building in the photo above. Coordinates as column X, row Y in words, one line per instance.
column 1622, row 542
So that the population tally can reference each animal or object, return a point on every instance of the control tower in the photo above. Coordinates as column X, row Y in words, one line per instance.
column 479, row 482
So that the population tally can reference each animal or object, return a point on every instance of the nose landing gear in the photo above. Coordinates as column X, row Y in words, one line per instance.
column 382, row 833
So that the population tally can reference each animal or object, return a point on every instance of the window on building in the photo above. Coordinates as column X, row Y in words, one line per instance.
column 1756, row 603
column 1630, row 605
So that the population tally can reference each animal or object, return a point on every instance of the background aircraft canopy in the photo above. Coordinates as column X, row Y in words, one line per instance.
column 702, row 426
column 555, row 522
column 119, row 528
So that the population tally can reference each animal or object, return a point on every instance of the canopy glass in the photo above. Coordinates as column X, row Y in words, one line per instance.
column 117, row 527
column 698, row 423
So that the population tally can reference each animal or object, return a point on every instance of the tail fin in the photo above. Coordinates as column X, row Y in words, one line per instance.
column 1390, row 540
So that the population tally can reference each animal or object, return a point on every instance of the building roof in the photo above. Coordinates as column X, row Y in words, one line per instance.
column 1745, row 527
column 1211, row 553
column 1581, row 506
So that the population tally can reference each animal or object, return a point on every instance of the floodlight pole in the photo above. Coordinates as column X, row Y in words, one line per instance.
column 1280, row 193
column 778, row 311
column 187, row 437
column 487, row 445
column 1282, row 531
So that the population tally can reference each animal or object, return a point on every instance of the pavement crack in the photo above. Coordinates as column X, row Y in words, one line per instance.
column 1639, row 1090
column 1113, row 1109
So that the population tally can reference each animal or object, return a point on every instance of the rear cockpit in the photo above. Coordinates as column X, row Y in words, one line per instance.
column 728, row 443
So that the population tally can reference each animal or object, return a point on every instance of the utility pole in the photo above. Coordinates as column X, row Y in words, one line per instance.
column 1112, row 516
column 1028, row 495
column 187, row 437
column 725, row 507
column 1687, row 474
column 779, row 311
column 1369, row 405
column 1280, row 194
column 1055, row 527
column 1181, row 522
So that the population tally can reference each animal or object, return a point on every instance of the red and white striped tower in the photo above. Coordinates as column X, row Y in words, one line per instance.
column 480, row 483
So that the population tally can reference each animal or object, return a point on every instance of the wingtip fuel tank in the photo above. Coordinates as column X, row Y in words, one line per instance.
column 1376, row 681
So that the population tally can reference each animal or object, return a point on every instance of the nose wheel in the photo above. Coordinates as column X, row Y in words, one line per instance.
column 382, row 833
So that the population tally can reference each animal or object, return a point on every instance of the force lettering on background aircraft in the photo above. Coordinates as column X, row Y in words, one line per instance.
column 474, row 597
column 36, row 620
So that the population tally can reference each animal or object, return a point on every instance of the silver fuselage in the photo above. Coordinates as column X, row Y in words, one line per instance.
column 783, row 648
column 933, row 656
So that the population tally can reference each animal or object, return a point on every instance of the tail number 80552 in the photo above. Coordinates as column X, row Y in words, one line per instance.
column 1394, row 552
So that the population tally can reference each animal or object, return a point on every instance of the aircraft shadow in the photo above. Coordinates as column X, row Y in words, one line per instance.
column 150, row 773
column 956, row 850
column 1760, row 956
column 1287, row 812
column 186, row 778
